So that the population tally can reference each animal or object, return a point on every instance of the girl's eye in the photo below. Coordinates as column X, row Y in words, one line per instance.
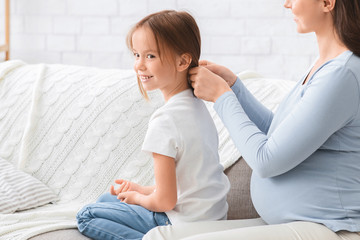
column 150, row 56
column 136, row 55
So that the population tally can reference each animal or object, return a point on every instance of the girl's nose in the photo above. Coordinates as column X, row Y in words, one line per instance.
column 287, row 4
column 139, row 64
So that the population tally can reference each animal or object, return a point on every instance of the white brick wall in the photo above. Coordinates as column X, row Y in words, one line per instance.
column 241, row 34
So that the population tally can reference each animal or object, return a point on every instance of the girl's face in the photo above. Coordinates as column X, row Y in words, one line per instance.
column 308, row 14
column 153, row 72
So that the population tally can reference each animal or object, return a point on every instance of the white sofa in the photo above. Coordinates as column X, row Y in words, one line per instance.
column 76, row 129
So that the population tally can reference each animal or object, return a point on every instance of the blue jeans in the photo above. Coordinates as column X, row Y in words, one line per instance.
column 110, row 219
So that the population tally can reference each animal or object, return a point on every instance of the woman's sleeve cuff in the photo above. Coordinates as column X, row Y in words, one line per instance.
column 236, row 86
column 222, row 98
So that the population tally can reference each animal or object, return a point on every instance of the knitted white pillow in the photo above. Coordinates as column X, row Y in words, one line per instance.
column 20, row 191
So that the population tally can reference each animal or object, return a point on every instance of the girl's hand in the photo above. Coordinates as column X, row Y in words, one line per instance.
column 207, row 85
column 165, row 197
column 130, row 197
column 124, row 186
column 222, row 71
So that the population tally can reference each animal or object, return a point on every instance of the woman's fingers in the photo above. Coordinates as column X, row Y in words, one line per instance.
column 204, row 63
column 220, row 70
column 193, row 70
column 207, row 85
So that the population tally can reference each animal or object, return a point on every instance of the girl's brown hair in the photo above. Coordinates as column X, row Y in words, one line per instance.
column 346, row 17
column 173, row 31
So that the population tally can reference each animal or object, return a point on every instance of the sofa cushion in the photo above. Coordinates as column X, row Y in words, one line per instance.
column 20, row 191
column 239, row 199
column 64, row 234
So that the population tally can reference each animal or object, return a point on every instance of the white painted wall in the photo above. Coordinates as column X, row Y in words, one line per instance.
column 241, row 34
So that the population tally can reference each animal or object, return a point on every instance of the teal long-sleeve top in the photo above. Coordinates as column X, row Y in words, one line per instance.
column 306, row 157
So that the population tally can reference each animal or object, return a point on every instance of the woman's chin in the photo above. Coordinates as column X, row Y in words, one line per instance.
column 302, row 30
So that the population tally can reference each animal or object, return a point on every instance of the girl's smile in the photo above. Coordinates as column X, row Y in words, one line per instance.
column 144, row 78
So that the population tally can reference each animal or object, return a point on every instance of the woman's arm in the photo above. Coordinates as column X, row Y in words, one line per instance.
column 256, row 111
column 328, row 104
column 164, row 197
column 211, row 80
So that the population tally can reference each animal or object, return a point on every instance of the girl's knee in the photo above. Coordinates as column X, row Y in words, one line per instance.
column 83, row 214
column 107, row 197
column 83, row 217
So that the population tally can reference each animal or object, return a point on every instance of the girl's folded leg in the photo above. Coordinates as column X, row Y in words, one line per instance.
column 117, row 220
column 107, row 197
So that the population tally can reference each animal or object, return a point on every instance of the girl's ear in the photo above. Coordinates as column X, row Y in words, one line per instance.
column 183, row 62
column 328, row 5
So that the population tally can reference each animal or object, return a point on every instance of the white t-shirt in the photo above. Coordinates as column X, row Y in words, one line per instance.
column 184, row 130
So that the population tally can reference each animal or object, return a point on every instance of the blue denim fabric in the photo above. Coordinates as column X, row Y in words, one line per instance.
column 110, row 219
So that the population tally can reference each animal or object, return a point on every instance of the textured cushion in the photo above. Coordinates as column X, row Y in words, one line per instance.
column 239, row 199
column 20, row 191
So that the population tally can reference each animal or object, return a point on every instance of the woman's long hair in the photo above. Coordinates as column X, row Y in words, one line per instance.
column 346, row 17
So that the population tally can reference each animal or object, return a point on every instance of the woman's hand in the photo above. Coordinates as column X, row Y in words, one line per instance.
column 222, row 71
column 207, row 85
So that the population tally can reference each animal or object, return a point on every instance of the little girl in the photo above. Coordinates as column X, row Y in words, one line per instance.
column 189, row 181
